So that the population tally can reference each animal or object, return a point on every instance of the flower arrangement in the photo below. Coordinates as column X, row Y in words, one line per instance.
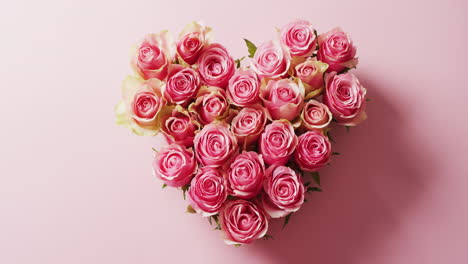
column 247, row 137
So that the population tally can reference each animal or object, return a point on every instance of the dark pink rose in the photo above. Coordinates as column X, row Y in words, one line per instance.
column 248, row 124
column 245, row 175
column 215, row 66
column 315, row 115
column 337, row 50
column 283, row 98
column 242, row 222
column 208, row 191
column 299, row 37
column 243, row 88
column 313, row 151
column 211, row 105
column 271, row 60
column 182, row 84
column 215, row 145
column 192, row 40
column 179, row 127
column 174, row 165
column 277, row 142
column 346, row 98
column 284, row 191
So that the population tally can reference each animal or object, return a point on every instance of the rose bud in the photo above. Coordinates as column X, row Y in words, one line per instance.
column 153, row 56
column 182, row 84
column 178, row 127
column 242, row 222
column 299, row 37
column 174, row 165
column 245, row 175
column 311, row 74
column 346, row 98
column 248, row 124
column 337, row 50
column 207, row 191
column 284, row 191
column 315, row 115
column 282, row 98
column 191, row 42
column 215, row 145
column 277, row 142
column 271, row 60
column 243, row 88
column 140, row 106
column 215, row 66
column 211, row 105
column 313, row 151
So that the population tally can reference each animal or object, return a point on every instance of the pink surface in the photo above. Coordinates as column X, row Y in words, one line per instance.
column 76, row 188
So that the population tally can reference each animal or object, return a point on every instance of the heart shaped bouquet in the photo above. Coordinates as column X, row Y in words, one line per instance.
column 247, row 137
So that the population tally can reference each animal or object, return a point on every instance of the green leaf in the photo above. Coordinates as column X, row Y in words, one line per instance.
column 154, row 149
column 307, row 184
column 209, row 221
column 314, row 189
column 251, row 48
column 190, row 210
column 316, row 177
column 164, row 186
column 347, row 129
column 329, row 136
column 286, row 220
column 184, row 189
column 368, row 100
column 230, row 198
column 237, row 245
column 336, row 153
column 267, row 237
column 238, row 62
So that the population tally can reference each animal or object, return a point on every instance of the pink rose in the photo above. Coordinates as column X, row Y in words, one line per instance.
column 315, row 115
column 191, row 41
column 215, row 145
column 178, row 127
column 243, row 88
column 211, row 105
column 337, row 50
column 284, row 191
column 242, row 222
column 249, row 123
column 313, row 151
column 215, row 65
column 283, row 98
column 245, row 175
column 174, row 165
column 271, row 60
column 311, row 74
column 153, row 56
column 277, row 142
column 141, row 104
column 207, row 191
column 299, row 37
column 182, row 84
column 345, row 96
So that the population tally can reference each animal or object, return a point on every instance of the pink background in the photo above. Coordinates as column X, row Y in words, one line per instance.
column 76, row 188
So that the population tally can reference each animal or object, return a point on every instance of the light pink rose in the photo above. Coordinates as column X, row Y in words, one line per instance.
column 271, row 60
column 283, row 98
column 337, row 50
column 346, row 98
column 242, row 222
column 284, row 191
column 311, row 74
column 182, row 84
column 215, row 65
column 174, row 165
column 315, row 115
column 191, row 41
column 208, row 191
column 178, row 127
column 215, row 145
column 248, row 124
column 245, row 175
column 211, row 105
column 243, row 88
column 299, row 37
column 153, row 56
column 277, row 142
column 313, row 151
